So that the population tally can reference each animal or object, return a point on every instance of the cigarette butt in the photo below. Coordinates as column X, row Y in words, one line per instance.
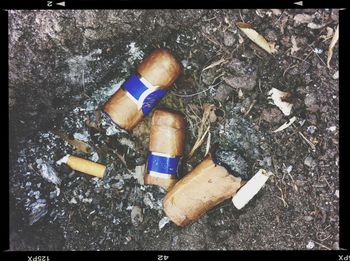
column 166, row 146
column 86, row 166
column 204, row 187
column 250, row 189
column 143, row 89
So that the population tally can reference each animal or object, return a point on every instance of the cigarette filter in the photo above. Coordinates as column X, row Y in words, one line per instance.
column 142, row 91
column 166, row 147
column 204, row 187
column 83, row 165
column 250, row 189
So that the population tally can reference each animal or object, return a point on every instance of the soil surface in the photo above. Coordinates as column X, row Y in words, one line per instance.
column 63, row 66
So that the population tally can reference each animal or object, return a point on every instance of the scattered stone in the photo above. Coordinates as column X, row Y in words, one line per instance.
column 310, row 162
column 229, row 39
column 272, row 115
column 136, row 216
column 223, row 92
column 241, row 82
column 308, row 218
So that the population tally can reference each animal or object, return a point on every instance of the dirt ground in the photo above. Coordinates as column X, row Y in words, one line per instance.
column 63, row 65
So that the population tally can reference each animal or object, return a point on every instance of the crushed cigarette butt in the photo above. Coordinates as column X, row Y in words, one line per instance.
column 250, row 189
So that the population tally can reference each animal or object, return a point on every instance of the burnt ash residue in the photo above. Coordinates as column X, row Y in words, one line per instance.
column 234, row 163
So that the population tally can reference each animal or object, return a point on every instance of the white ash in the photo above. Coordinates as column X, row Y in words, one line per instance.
column 38, row 210
column 135, row 53
column 48, row 173
column 311, row 129
column 82, row 136
column 55, row 193
column 149, row 201
column 94, row 157
column 73, row 201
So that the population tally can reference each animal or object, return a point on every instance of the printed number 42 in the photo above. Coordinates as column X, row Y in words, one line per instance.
column 161, row 257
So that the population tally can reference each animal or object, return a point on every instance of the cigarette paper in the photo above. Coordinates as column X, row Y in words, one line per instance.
column 250, row 189
column 85, row 166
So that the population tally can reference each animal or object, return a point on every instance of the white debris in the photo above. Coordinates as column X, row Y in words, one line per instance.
column 250, row 189
column 48, row 173
column 63, row 160
column 55, row 193
column 303, row 19
column 139, row 174
column 87, row 200
column 94, row 157
column 286, row 124
column 134, row 52
column 332, row 128
column 278, row 98
column 318, row 51
column 310, row 245
column 73, row 201
column 163, row 222
column 38, row 210
column 111, row 130
column 311, row 129
column 336, row 75
column 337, row 193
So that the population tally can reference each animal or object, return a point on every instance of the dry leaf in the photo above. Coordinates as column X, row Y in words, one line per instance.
column 256, row 37
column 77, row 144
column 295, row 47
column 303, row 19
column 276, row 11
column 315, row 26
column 331, row 46
column 278, row 97
column 285, row 125
column 329, row 34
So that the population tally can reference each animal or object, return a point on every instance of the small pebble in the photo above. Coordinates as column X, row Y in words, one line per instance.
column 310, row 162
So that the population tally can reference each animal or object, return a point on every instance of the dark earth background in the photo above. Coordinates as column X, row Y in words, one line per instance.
column 63, row 65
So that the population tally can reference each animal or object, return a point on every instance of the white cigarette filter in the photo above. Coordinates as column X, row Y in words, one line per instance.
column 83, row 165
column 250, row 189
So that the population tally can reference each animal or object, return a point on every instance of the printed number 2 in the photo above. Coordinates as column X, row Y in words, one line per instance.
column 49, row 3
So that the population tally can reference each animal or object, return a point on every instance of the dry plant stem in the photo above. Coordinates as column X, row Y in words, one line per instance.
column 313, row 147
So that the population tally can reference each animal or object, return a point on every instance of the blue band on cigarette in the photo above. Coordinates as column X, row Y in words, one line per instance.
column 151, row 100
column 162, row 164
column 136, row 88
